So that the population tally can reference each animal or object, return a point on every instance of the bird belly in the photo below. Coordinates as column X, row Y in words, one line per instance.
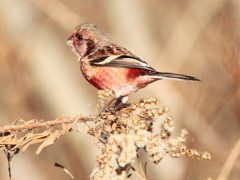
column 123, row 81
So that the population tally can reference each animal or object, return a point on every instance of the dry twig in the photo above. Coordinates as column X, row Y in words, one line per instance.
column 64, row 169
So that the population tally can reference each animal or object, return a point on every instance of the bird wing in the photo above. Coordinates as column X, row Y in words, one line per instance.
column 121, row 61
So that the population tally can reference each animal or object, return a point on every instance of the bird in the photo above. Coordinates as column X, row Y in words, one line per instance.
column 106, row 65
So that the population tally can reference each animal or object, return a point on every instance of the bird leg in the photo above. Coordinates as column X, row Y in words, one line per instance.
column 121, row 102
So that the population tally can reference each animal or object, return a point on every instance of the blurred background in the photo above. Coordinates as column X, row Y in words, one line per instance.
column 40, row 78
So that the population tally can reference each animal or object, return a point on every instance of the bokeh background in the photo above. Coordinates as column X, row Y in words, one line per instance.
column 40, row 78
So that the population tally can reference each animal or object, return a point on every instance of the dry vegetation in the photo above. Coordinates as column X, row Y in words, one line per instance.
column 40, row 79
column 119, row 135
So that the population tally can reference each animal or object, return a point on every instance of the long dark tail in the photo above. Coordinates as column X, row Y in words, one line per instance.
column 174, row 76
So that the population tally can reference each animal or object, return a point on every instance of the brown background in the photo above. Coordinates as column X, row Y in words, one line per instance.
column 40, row 78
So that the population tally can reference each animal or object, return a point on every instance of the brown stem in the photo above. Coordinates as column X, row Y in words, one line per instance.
column 60, row 120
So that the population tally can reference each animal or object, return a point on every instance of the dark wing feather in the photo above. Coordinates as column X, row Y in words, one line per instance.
column 121, row 61
column 167, row 75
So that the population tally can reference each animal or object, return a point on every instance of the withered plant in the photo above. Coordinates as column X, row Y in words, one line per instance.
column 119, row 135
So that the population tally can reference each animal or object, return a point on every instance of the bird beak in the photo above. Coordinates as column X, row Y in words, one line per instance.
column 70, row 41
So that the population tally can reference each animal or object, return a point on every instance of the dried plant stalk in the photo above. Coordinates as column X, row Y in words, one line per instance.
column 9, row 134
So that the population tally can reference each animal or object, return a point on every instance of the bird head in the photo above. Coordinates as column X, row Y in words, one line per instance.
column 86, row 38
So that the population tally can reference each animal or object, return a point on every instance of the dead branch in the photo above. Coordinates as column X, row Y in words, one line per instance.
column 63, row 119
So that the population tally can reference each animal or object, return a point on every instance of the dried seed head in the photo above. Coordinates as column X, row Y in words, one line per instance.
column 130, row 130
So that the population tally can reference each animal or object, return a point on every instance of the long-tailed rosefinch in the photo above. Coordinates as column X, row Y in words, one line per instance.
column 108, row 65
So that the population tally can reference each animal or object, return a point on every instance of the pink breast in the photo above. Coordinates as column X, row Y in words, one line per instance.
column 112, row 78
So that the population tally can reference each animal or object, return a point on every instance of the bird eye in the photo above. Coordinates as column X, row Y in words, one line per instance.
column 79, row 37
